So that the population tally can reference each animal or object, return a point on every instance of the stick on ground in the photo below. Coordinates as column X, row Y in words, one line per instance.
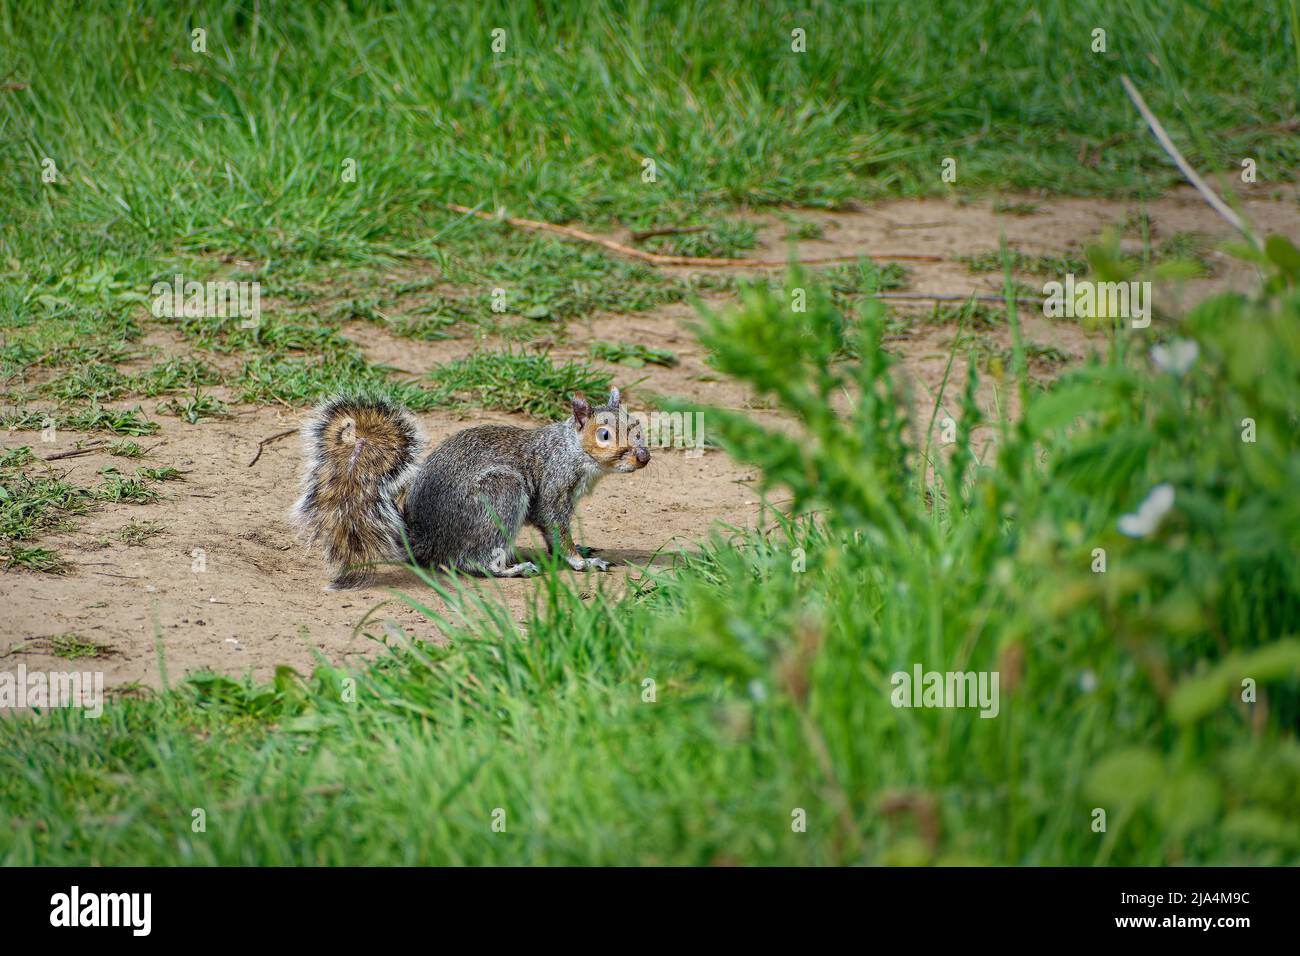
column 666, row 231
column 952, row 297
column 74, row 452
column 662, row 260
column 1208, row 194
column 267, row 440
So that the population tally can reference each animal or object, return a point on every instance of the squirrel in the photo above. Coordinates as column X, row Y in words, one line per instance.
column 367, row 498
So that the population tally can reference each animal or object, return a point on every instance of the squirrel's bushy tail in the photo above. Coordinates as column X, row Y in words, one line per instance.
column 360, row 455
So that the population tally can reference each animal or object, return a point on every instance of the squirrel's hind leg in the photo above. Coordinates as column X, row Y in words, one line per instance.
column 500, row 567
column 505, row 503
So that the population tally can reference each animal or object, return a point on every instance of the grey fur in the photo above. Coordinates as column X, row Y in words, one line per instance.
column 464, row 505
column 479, row 487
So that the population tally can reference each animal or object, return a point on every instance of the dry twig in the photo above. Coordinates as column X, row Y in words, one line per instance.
column 662, row 260
column 267, row 440
column 74, row 452
column 1208, row 194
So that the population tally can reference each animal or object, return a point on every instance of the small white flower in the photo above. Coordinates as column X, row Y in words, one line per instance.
column 1147, row 517
column 1087, row 682
column 1176, row 357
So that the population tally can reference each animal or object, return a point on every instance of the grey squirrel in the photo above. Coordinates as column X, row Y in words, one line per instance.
column 366, row 496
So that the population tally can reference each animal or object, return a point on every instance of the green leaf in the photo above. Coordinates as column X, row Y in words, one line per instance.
column 1240, row 250
column 1125, row 776
column 1199, row 696
column 1256, row 825
column 1177, row 269
column 1283, row 254
column 1064, row 405
column 1189, row 801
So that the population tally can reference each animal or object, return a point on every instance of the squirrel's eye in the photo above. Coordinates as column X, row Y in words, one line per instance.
column 602, row 434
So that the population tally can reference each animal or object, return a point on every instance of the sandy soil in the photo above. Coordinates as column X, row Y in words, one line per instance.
column 226, row 587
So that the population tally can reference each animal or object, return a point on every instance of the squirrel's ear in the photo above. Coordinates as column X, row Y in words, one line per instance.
column 614, row 398
column 581, row 410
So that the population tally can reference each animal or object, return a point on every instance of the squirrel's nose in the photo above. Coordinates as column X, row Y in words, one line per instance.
column 643, row 456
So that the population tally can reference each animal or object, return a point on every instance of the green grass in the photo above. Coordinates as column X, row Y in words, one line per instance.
column 195, row 408
column 1014, row 207
column 556, row 129
column 520, row 382
column 686, row 720
column 1052, row 266
column 136, row 533
column 982, row 316
column 543, row 278
column 176, row 375
column 117, row 487
column 799, row 228
column 632, row 354
column 102, row 381
column 1183, row 255
column 993, row 357
column 35, row 500
column 90, row 419
column 1192, row 248
column 46, row 329
column 719, row 239
column 201, row 155
column 71, row 647
column 114, row 421
column 31, row 505
column 31, row 558
column 35, row 504
column 560, row 122
column 97, row 381
column 304, row 380
column 126, row 449
column 15, row 457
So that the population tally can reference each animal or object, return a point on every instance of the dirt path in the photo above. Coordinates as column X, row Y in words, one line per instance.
column 227, row 588
column 231, row 590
